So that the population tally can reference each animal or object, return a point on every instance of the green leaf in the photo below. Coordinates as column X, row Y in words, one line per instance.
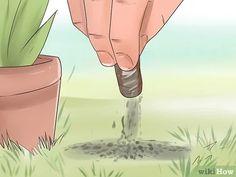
column 21, row 37
column 7, row 16
column 28, row 20
column 34, row 45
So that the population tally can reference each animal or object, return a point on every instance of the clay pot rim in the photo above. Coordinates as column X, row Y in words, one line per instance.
column 45, row 57
column 23, row 79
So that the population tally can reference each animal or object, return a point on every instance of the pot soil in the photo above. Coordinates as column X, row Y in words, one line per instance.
column 28, row 102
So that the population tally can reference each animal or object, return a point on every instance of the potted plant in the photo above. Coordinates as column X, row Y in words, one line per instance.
column 29, row 82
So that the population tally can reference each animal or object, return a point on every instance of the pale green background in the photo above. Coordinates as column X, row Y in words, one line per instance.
column 194, row 55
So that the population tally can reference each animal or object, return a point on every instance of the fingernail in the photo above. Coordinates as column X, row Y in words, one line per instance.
column 106, row 58
column 124, row 61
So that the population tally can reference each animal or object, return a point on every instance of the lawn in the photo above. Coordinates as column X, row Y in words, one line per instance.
column 209, row 132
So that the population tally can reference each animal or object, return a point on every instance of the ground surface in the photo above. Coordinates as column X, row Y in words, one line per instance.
column 93, row 120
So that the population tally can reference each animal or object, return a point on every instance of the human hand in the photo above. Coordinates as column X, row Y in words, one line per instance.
column 120, row 29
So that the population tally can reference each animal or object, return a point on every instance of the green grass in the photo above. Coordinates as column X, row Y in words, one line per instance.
column 208, row 152
column 183, row 135
column 17, row 162
column 213, row 142
column 71, row 73
column 99, row 172
column 22, row 35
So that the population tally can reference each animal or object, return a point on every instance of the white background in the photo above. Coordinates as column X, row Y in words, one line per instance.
column 190, row 11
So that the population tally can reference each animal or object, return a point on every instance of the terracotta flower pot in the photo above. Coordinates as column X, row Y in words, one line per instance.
column 28, row 101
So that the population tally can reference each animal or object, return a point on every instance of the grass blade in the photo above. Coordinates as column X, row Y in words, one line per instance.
column 83, row 172
column 205, row 138
column 188, row 136
column 188, row 168
column 61, row 110
column 71, row 74
column 100, row 173
column 174, row 171
column 176, row 136
column 3, row 168
column 11, row 156
column 182, row 165
column 120, row 174
column 104, row 172
column 94, row 169
column 8, row 165
column 198, row 135
column 66, row 122
column 175, row 165
column 110, row 174
column 181, row 130
column 224, row 142
column 213, row 134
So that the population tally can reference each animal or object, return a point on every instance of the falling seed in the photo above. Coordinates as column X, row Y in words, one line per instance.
column 114, row 124
column 131, row 120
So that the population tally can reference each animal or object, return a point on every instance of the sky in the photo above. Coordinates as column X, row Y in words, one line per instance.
column 200, row 36
column 191, row 11
column 197, row 42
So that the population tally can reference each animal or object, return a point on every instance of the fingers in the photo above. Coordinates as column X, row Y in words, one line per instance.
column 98, row 13
column 120, row 29
column 78, row 15
column 127, row 17
column 156, row 16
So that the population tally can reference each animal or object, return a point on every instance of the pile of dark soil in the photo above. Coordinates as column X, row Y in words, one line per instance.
column 119, row 149
column 128, row 146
